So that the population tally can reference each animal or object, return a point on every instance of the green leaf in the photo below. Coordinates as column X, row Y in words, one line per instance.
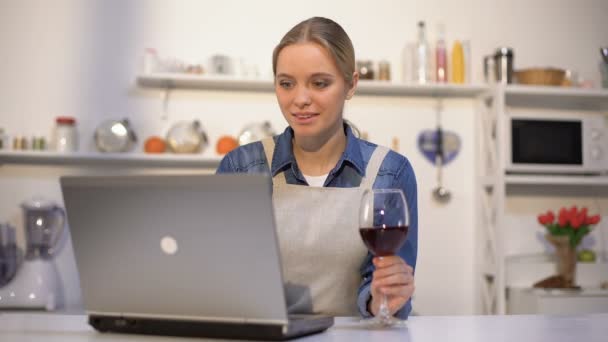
column 578, row 235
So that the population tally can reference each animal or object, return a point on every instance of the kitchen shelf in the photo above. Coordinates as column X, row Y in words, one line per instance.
column 112, row 159
column 557, row 180
column 556, row 97
column 583, row 291
column 543, row 258
column 365, row 87
column 586, row 300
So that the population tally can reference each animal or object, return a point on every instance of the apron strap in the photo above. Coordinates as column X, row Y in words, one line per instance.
column 373, row 166
column 268, row 143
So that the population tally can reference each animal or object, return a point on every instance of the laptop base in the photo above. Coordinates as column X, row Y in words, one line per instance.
column 302, row 326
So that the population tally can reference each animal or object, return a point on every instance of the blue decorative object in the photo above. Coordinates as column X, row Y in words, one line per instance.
column 428, row 144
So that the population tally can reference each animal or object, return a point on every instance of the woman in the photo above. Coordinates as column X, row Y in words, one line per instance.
column 319, row 169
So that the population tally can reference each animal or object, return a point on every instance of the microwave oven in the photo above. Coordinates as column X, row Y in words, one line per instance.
column 557, row 143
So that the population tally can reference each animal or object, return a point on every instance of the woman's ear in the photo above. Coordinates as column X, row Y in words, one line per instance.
column 353, row 86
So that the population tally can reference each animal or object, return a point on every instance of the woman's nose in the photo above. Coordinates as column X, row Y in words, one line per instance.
column 302, row 97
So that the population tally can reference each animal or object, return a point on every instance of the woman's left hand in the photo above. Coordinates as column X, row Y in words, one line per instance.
column 394, row 278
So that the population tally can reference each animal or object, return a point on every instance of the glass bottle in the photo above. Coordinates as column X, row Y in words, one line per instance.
column 422, row 56
column 441, row 59
column 65, row 136
column 457, row 63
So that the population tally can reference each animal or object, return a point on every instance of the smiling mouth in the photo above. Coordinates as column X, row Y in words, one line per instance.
column 304, row 115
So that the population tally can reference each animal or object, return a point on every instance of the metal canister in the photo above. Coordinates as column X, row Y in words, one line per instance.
column 384, row 71
column 489, row 74
column 503, row 65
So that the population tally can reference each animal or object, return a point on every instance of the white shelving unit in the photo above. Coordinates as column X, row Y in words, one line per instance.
column 498, row 270
column 365, row 87
column 109, row 159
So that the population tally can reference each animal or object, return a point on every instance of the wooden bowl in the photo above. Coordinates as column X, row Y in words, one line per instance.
column 540, row 76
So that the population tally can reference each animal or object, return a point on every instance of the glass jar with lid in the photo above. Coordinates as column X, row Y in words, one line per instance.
column 65, row 136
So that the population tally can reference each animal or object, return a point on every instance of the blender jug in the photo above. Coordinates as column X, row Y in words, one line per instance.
column 44, row 224
column 9, row 254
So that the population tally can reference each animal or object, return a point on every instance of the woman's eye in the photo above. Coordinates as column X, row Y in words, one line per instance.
column 320, row 84
column 286, row 84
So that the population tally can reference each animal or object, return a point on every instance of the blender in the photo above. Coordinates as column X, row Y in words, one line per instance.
column 36, row 284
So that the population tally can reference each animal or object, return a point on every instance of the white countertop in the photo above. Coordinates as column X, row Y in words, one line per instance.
column 22, row 327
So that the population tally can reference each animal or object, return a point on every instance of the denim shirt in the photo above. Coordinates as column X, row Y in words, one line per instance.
column 395, row 172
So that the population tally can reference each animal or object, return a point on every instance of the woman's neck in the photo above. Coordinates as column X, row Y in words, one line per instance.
column 317, row 156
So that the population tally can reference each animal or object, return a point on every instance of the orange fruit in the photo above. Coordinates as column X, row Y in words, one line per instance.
column 225, row 144
column 155, row 144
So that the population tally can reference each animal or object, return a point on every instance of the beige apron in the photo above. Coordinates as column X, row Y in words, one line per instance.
column 321, row 249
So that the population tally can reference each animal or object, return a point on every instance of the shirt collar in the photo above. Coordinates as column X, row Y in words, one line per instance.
column 283, row 153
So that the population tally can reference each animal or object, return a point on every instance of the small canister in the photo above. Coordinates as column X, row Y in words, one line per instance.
column 365, row 69
column 65, row 136
column 4, row 140
column 384, row 71
column 503, row 65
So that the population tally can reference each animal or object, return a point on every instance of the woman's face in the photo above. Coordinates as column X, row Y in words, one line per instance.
column 310, row 90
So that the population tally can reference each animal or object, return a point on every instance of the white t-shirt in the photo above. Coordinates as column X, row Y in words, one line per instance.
column 317, row 181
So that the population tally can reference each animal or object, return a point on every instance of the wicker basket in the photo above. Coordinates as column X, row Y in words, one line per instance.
column 540, row 76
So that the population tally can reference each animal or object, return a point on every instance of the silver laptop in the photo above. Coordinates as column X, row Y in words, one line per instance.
column 182, row 255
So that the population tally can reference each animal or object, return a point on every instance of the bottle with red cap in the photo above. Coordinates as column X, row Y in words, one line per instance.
column 65, row 136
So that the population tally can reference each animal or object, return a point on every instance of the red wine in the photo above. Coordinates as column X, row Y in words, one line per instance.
column 384, row 241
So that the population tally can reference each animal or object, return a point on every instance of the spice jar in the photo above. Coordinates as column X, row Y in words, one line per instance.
column 65, row 136
column 4, row 140
column 384, row 71
column 365, row 69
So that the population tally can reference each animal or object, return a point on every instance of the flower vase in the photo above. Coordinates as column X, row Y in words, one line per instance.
column 566, row 258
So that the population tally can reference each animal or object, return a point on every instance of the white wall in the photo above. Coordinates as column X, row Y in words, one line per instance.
column 80, row 58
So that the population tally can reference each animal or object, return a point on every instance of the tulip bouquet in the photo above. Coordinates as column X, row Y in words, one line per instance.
column 572, row 223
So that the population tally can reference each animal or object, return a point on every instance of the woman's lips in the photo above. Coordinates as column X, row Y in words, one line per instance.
column 304, row 117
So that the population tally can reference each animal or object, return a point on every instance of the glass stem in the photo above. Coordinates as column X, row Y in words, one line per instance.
column 383, row 311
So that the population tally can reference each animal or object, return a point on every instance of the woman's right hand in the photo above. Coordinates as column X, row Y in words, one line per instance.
column 394, row 278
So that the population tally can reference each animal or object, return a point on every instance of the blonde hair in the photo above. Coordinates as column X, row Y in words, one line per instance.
column 326, row 33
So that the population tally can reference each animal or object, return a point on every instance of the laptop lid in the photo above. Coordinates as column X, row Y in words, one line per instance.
column 197, row 247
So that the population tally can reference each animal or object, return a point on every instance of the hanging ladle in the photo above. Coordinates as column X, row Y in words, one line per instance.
column 440, row 193
column 604, row 52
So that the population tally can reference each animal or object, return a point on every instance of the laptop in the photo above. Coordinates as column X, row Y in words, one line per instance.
column 181, row 255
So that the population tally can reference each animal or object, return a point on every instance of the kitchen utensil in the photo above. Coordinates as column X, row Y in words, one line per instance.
column 187, row 137
column 255, row 131
column 604, row 66
column 44, row 224
column 503, row 65
column 604, row 53
column 115, row 136
column 9, row 254
column 440, row 193
column 37, row 285
column 541, row 76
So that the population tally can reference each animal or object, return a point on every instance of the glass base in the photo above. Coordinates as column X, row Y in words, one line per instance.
column 383, row 323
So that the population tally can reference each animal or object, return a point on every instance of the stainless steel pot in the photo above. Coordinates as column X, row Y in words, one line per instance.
column 115, row 136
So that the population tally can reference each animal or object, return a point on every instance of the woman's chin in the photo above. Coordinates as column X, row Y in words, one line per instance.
column 305, row 132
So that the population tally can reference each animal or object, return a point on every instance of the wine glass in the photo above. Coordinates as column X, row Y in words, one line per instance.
column 383, row 225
